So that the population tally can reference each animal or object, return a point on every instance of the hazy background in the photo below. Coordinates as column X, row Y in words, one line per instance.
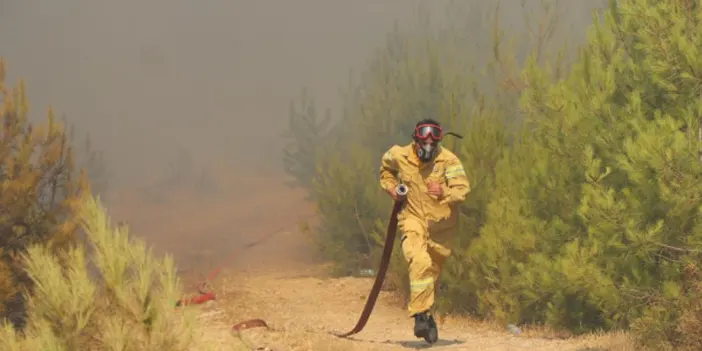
column 149, row 79
column 212, row 76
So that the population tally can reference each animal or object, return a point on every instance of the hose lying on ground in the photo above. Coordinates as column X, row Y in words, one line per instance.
column 205, row 295
column 196, row 300
column 209, row 296
column 401, row 190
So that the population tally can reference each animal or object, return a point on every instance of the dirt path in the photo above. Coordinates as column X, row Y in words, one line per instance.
column 302, row 307
column 276, row 280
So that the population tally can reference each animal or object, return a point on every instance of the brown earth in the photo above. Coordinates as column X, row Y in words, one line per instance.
column 269, row 273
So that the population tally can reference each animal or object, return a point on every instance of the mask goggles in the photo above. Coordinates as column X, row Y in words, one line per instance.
column 424, row 131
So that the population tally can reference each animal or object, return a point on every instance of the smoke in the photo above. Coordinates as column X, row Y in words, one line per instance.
column 211, row 77
column 167, row 88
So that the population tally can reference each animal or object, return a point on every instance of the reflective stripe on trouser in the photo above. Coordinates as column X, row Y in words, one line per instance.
column 425, row 257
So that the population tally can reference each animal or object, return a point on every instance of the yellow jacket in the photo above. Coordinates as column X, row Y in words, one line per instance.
column 401, row 164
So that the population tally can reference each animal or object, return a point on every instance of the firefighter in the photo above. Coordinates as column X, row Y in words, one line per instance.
column 437, row 184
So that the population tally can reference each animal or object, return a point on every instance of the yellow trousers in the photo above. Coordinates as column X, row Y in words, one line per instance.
column 425, row 248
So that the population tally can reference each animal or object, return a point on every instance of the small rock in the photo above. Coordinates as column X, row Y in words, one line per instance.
column 367, row 273
column 513, row 329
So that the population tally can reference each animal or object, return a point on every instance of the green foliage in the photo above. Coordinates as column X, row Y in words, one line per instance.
column 353, row 202
column 584, row 165
column 105, row 292
column 597, row 212
column 402, row 84
column 130, row 307
column 39, row 190
column 306, row 137
column 422, row 70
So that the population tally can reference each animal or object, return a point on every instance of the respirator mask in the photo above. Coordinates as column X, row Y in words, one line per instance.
column 427, row 151
column 427, row 136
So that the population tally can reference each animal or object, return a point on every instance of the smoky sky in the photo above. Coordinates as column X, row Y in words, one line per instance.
column 212, row 77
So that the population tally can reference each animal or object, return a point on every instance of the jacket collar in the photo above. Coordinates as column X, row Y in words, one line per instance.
column 411, row 156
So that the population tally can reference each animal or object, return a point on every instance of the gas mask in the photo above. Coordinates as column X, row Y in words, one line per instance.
column 427, row 136
column 426, row 151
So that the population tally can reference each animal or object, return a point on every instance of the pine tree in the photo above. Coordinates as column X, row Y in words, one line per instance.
column 463, row 73
column 306, row 135
column 595, row 221
column 39, row 189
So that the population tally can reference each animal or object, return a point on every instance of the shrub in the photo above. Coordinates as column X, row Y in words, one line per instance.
column 125, row 303
column 596, row 217
column 586, row 201
column 39, row 188
column 306, row 135
column 462, row 72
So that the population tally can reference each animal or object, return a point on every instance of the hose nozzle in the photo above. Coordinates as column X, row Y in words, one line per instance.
column 401, row 190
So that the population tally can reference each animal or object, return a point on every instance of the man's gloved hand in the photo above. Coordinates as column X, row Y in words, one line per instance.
column 434, row 188
column 393, row 193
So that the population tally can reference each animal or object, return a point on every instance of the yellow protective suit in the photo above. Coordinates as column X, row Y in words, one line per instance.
column 427, row 223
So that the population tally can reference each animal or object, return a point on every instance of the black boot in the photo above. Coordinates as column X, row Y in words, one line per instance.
column 425, row 327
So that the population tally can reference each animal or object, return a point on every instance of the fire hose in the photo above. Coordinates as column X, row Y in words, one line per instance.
column 206, row 295
column 401, row 191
